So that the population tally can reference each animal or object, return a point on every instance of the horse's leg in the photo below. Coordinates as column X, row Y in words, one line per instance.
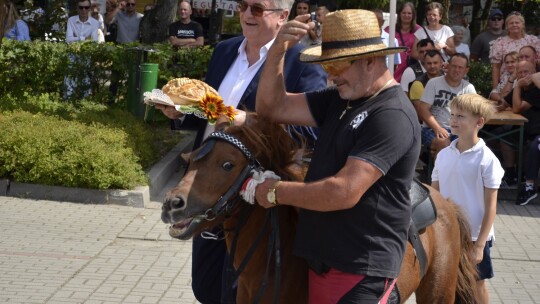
column 409, row 276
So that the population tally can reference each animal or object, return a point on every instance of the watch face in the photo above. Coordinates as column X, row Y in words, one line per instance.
column 271, row 197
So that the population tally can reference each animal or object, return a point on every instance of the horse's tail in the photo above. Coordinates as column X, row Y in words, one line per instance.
column 468, row 274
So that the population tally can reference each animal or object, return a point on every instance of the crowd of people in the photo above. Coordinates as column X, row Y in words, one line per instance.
column 362, row 166
column 513, row 55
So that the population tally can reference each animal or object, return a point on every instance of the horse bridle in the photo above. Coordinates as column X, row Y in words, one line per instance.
column 225, row 203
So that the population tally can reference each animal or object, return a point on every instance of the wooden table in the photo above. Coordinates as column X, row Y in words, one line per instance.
column 508, row 118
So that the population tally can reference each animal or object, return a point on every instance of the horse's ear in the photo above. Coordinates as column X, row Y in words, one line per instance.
column 185, row 156
column 206, row 147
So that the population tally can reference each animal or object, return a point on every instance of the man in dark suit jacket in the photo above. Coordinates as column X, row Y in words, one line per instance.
column 298, row 76
column 259, row 30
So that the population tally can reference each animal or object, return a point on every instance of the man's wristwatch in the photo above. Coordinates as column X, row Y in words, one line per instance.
column 271, row 195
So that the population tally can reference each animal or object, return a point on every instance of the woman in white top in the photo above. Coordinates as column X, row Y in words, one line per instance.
column 441, row 35
column 461, row 47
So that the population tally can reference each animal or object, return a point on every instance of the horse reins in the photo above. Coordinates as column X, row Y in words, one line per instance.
column 224, row 204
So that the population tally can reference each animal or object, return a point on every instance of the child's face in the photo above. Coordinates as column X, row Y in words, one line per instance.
column 510, row 63
column 464, row 123
column 320, row 16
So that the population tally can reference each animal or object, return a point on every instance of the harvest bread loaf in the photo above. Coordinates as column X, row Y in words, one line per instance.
column 187, row 91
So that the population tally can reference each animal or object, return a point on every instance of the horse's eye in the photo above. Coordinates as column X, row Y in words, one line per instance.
column 227, row 166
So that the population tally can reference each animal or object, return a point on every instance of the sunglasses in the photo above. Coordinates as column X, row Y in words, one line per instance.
column 337, row 67
column 495, row 19
column 130, row 4
column 84, row 7
column 514, row 13
column 257, row 9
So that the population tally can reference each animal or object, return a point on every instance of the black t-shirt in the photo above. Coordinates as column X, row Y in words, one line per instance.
column 184, row 31
column 531, row 96
column 369, row 238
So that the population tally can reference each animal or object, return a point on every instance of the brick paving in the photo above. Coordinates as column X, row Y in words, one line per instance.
column 55, row 252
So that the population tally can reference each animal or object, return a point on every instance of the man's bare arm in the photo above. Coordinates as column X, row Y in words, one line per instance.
column 339, row 192
column 272, row 99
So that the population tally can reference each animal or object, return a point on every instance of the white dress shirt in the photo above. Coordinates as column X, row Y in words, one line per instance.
column 238, row 77
column 80, row 31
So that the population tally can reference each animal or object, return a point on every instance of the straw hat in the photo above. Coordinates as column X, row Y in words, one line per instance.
column 347, row 35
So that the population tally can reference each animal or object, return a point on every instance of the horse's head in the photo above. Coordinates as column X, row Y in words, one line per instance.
column 216, row 171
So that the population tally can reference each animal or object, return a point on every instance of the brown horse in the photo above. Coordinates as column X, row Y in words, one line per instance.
column 218, row 168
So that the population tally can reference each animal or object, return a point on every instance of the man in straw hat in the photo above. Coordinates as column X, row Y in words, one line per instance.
column 354, row 203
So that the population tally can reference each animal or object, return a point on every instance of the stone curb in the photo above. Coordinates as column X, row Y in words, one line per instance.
column 138, row 197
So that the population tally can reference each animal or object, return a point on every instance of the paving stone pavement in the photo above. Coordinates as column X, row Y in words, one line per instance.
column 56, row 252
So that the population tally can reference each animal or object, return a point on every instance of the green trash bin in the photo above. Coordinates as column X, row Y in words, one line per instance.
column 148, row 81
column 145, row 81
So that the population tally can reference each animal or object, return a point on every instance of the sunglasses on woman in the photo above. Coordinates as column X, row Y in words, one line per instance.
column 257, row 9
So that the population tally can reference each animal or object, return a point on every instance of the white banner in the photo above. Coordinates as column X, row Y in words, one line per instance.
column 221, row 4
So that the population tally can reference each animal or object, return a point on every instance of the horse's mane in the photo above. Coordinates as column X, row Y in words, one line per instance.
column 271, row 145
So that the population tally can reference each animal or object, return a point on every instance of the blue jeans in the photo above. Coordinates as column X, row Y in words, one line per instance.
column 485, row 268
column 428, row 135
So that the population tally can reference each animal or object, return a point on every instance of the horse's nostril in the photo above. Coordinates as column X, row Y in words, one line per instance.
column 177, row 202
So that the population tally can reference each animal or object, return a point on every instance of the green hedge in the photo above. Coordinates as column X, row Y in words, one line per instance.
column 51, row 142
column 84, row 142
column 39, row 67
column 48, row 150
column 480, row 76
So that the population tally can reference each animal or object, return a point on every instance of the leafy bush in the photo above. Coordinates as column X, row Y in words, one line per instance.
column 47, row 23
column 86, row 142
column 182, row 62
column 72, row 141
column 42, row 65
column 480, row 76
column 48, row 150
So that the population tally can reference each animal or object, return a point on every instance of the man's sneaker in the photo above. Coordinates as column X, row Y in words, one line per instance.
column 525, row 196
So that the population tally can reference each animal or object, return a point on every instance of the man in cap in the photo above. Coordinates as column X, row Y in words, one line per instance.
column 482, row 43
column 354, row 203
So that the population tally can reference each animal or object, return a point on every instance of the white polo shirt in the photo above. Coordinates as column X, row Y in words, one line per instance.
column 463, row 176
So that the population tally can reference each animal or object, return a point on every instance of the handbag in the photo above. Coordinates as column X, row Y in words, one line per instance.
column 410, row 60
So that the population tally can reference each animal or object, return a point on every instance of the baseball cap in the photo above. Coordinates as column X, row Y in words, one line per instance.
column 495, row 12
